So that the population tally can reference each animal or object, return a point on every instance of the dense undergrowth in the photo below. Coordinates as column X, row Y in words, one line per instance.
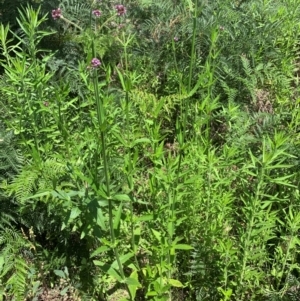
column 150, row 150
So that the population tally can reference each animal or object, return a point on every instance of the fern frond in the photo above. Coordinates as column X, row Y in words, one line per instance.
column 10, row 158
column 11, row 162
column 14, row 270
column 32, row 179
column 77, row 11
column 24, row 183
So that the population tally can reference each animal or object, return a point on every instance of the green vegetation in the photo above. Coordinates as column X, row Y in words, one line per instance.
column 149, row 150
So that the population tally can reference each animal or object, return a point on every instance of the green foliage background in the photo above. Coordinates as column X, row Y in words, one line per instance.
column 171, row 171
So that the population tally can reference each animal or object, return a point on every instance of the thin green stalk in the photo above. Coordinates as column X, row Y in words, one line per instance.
column 101, row 121
column 182, row 134
column 129, row 171
column 184, row 111
column 71, row 23
column 193, row 52
column 191, row 68
column 174, row 55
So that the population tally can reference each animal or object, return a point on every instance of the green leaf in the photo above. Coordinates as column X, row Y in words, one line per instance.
column 1, row 262
column 60, row 273
column 66, row 272
column 83, row 233
column 122, row 197
column 98, row 263
column 63, row 292
column 37, row 196
column 282, row 181
column 175, row 283
column 156, row 234
column 183, row 247
column 151, row 293
column 118, row 217
column 112, row 272
column 126, row 257
column 109, row 269
column 121, row 79
column 132, row 282
column 144, row 218
column 141, row 140
column 120, row 138
column 101, row 219
column 99, row 250
column 74, row 213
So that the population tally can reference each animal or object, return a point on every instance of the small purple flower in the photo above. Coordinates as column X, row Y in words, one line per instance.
column 96, row 13
column 221, row 28
column 176, row 39
column 121, row 10
column 56, row 13
column 95, row 63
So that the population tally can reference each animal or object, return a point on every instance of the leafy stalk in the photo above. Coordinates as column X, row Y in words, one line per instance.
column 101, row 122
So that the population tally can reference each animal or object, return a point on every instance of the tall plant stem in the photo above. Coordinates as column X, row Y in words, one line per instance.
column 128, row 86
column 181, row 128
column 191, row 68
column 101, row 121
column 184, row 112
column 193, row 53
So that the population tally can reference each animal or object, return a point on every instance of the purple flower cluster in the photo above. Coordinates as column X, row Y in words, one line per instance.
column 95, row 63
column 96, row 13
column 121, row 10
column 56, row 13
